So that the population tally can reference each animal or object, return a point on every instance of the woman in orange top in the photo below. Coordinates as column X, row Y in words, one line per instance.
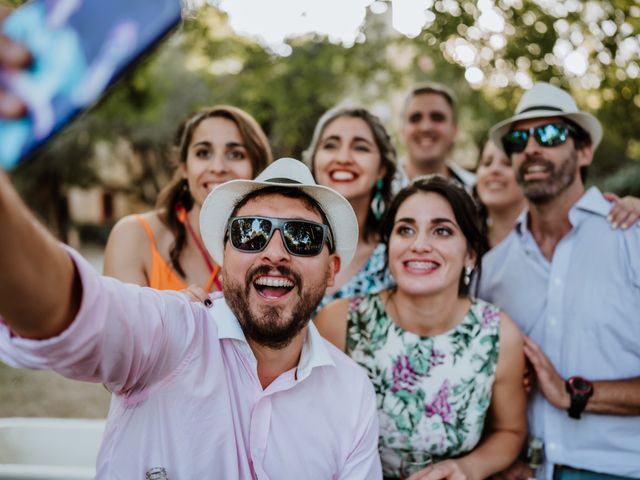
column 162, row 248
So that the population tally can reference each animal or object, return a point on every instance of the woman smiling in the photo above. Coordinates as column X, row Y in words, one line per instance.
column 162, row 248
column 352, row 153
column 447, row 369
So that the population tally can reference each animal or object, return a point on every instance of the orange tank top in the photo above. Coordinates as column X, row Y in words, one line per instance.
column 162, row 276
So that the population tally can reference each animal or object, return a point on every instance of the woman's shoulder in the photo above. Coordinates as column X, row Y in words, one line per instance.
column 139, row 222
column 487, row 312
column 136, row 232
column 346, row 309
column 331, row 322
column 491, row 316
column 126, row 254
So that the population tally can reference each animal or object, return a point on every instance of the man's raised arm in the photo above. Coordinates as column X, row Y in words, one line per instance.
column 40, row 290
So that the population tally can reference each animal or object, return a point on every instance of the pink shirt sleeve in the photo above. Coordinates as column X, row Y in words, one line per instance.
column 125, row 336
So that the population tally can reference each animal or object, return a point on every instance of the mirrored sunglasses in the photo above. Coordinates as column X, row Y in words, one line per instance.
column 300, row 237
column 547, row 135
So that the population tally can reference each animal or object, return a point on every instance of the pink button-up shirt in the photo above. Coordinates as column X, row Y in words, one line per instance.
column 187, row 395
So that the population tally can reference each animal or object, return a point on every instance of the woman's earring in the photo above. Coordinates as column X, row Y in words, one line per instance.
column 377, row 203
column 467, row 275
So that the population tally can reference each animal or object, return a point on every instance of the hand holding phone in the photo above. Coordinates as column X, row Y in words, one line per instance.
column 78, row 48
column 12, row 56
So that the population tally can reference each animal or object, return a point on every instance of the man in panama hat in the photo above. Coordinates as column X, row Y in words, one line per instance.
column 244, row 389
column 572, row 283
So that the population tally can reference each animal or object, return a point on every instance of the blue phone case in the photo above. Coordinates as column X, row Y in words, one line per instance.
column 79, row 48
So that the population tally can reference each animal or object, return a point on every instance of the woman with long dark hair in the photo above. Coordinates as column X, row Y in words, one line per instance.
column 352, row 153
column 447, row 368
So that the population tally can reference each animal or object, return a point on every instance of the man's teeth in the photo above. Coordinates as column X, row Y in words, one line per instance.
column 426, row 141
column 422, row 265
column 342, row 175
column 274, row 282
column 536, row 169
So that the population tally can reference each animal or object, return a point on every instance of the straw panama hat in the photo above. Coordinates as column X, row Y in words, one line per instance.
column 545, row 100
column 289, row 173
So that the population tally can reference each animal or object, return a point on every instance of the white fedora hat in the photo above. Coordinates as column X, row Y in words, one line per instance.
column 289, row 173
column 545, row 100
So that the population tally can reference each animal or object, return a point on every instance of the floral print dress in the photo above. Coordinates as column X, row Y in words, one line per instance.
column 433, row 393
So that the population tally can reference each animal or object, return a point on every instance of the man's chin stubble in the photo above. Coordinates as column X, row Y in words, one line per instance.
column 267, row 327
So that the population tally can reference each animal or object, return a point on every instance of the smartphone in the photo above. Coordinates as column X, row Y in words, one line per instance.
column 79, row 49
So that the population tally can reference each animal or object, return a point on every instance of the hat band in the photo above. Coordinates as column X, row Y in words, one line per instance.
column 282, row 180
column 541, row 107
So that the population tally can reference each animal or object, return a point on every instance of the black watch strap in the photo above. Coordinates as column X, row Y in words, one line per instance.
column 579, row 396
column 577, row 406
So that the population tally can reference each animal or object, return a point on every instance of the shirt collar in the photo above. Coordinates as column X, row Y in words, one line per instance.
column 521, row 222
column 592, row 201
column 314, row 351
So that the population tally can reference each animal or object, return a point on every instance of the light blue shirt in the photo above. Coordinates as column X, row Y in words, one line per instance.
column 583, row 309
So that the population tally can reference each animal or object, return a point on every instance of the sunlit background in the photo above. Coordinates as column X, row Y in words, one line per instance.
column 477, row 47
column 288, row 61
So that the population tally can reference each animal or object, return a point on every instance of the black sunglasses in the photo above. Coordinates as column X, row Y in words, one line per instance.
column 547, row 135
column 300, row 237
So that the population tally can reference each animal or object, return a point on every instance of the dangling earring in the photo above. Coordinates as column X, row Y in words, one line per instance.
column 377, row 203
column 467, row 275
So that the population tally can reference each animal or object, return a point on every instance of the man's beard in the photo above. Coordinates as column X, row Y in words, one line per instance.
column 543, row 191
column 267, row 326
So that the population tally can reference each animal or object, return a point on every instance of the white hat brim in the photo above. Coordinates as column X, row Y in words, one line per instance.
column 221, row 202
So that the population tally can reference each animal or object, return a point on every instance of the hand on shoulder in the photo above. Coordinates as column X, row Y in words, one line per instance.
column 625, row 211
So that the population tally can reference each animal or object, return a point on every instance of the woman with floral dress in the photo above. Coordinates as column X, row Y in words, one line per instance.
column 352, row 153
column 447, row 368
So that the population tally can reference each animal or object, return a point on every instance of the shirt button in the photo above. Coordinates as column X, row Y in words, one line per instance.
column 557, row 282
column 552, row 321
column 552, row 446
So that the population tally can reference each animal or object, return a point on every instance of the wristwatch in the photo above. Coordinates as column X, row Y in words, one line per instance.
column 580, row 389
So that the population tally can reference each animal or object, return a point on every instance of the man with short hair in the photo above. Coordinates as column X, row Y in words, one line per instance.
column 429, row 128
column 244, row 389
column 572, row 283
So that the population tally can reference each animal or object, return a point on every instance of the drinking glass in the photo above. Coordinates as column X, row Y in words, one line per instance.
column 413, row 462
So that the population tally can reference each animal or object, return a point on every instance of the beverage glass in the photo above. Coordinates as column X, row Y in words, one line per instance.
column 413, row 462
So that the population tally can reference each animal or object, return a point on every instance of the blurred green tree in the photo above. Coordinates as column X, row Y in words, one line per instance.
column 487, row 51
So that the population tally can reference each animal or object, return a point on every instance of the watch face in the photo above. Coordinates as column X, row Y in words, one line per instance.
column 580, row 385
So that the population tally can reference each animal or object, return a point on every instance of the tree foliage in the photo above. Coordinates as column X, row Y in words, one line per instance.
column 206, row 63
